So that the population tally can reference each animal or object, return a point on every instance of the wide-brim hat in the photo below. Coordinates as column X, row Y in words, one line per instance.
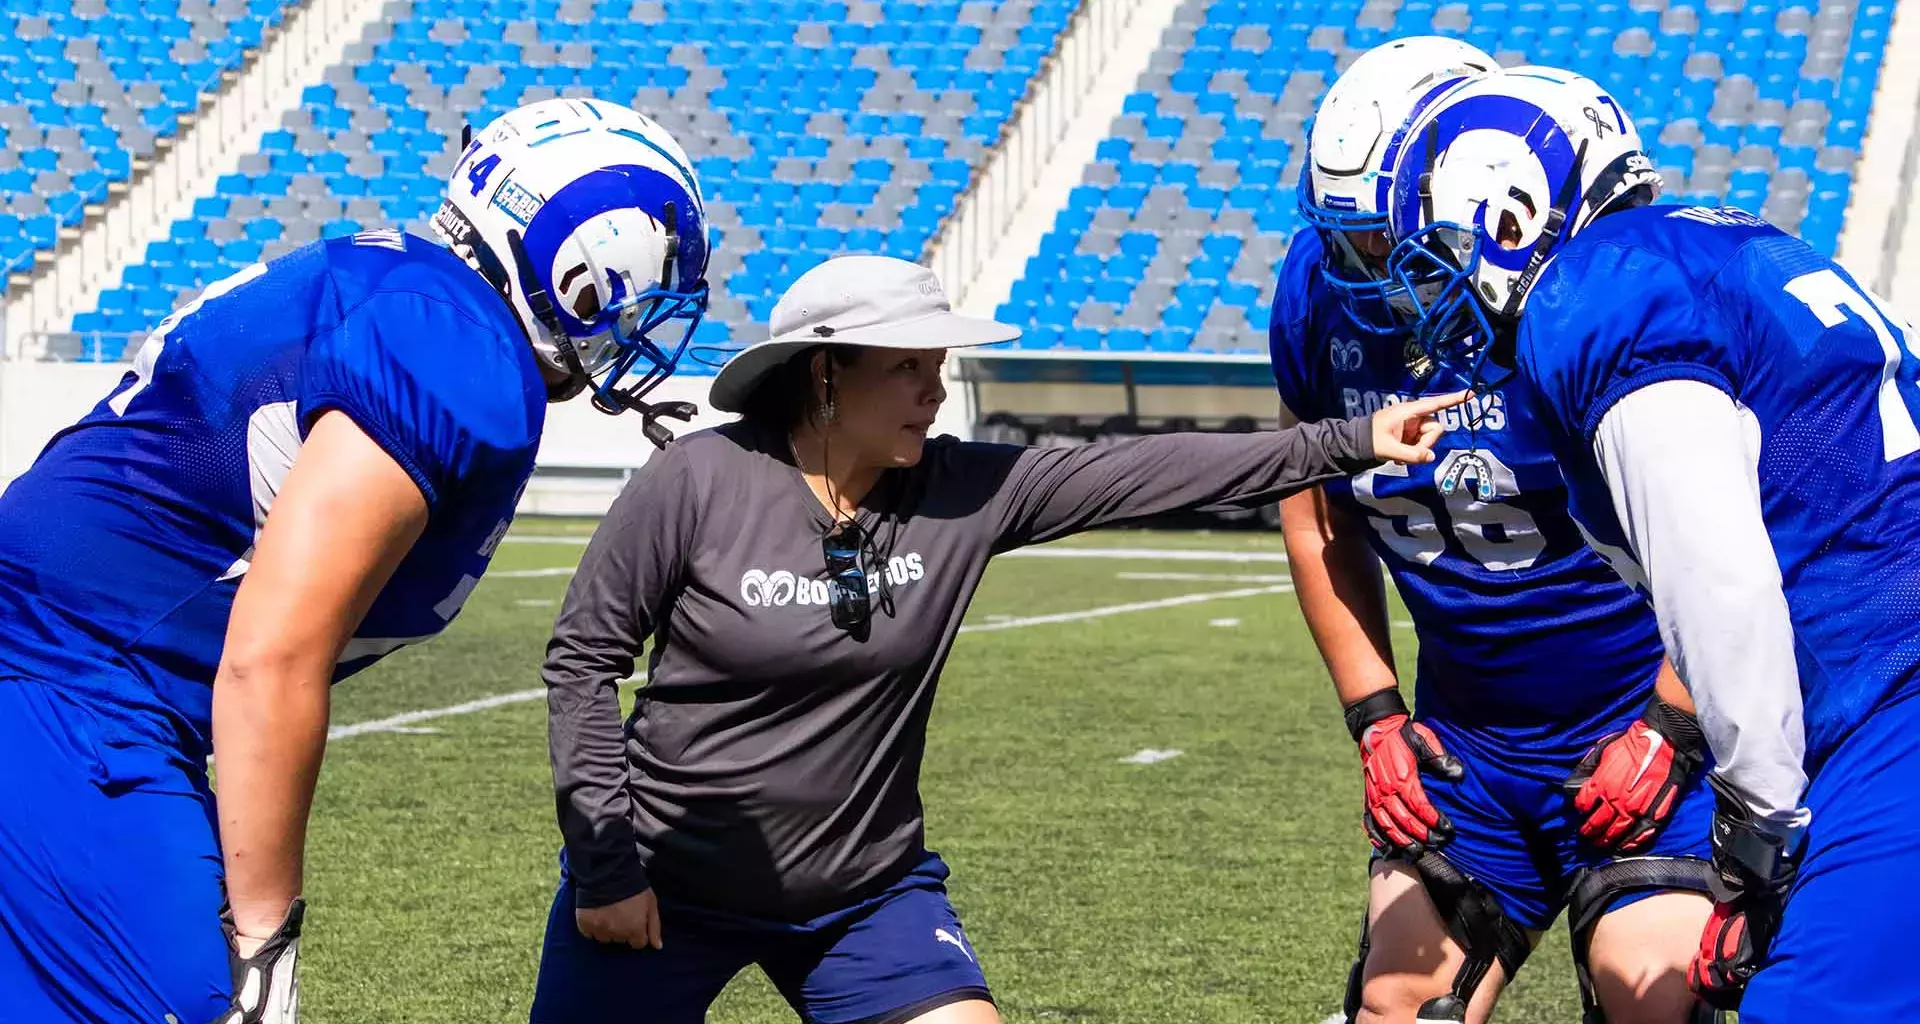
column 873, row 301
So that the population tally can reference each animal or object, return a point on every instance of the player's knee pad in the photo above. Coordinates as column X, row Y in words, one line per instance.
column 1474, row 919
column 1595, row 890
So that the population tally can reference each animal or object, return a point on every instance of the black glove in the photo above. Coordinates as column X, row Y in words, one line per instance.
column 266, row 990
column 1754, row 871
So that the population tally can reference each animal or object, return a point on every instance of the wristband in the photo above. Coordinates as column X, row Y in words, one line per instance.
column 1372, row 708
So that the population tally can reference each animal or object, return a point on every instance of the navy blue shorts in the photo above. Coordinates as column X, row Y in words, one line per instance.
column 881, row 961
column 1518, row 833
column 110, row 904
column 1844, row 952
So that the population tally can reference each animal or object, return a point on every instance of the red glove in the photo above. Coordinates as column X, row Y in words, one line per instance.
column 1394, row 752
column 1725, row 960
column 1629, row 783
column 1755, row 870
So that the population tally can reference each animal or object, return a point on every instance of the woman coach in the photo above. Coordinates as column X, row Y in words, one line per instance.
column 801, row 574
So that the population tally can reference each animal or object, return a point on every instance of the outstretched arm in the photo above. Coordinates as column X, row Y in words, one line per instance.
column 340, row 525
column 1053, row 492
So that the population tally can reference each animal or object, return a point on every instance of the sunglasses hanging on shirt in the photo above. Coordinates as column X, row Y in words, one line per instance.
column 847, row 595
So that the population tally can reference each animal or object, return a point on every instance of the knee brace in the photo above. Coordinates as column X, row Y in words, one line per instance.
column 1474, row 920
column 1484, row 931
column 1594, row 892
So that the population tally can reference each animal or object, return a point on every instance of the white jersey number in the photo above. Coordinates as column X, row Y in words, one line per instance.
column 1829, row 297
column 1473, row 485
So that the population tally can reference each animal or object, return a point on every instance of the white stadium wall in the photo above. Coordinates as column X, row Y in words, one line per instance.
column 584, row 456
column 37, row 399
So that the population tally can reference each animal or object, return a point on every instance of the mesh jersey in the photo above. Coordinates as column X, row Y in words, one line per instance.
column 122, row 546
column 1827, row 375
column 1527, row 639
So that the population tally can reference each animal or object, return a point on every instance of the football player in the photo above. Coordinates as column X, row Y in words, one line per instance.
column 1540, row 674
column 306, row 468
column 1739, row 424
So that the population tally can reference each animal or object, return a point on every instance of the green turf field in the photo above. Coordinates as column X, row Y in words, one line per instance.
column 1222, row 885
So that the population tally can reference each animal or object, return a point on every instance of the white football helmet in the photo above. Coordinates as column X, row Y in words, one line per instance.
column 586, row 217
column 1495, row 178
column 1352, row 149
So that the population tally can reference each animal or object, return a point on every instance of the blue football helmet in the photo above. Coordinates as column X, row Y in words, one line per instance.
column 586, row 216
column 1494, row 180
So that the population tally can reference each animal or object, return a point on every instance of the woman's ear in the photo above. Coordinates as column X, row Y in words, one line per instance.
column 818, row 369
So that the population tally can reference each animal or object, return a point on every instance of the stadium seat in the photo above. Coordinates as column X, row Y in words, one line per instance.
column 788, row 127
column 1746, row 104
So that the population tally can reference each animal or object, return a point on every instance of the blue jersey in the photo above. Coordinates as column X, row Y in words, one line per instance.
column 122, row 546
column 1826, row 373
column 1526, row 638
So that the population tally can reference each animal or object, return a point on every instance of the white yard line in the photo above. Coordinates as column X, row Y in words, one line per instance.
column 1123, row 609
column 1148, row 554
column 1203, row 577
column 528, row 574
column 401, row 722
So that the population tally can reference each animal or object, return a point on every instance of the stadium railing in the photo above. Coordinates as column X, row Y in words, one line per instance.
column 89, row 256
column 1021, row 155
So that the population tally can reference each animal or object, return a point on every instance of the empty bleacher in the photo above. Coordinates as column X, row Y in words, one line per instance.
column 1171, row 242
column 817, row 126
column 88, row 88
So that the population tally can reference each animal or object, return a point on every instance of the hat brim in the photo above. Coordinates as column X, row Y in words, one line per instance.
column 737, row 379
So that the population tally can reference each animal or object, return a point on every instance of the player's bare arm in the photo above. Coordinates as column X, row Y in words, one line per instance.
column 1343, row 596
column 1341, row 591
column 341, row 524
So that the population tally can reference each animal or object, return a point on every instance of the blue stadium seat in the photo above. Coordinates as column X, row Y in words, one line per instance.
column 1248, row 165
column 1209, row 142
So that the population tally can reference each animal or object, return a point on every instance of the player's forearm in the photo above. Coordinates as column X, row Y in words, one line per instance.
column 1693, row 516
column 1668, row 687
column 1337, row 581
column 269, row 735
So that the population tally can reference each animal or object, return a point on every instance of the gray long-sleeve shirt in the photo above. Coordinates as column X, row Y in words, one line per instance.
column 771, row 765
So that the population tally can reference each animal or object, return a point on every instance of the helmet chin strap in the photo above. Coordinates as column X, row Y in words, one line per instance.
column 540, row 304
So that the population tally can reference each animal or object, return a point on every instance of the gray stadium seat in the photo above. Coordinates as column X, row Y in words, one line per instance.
column 1096, row 314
